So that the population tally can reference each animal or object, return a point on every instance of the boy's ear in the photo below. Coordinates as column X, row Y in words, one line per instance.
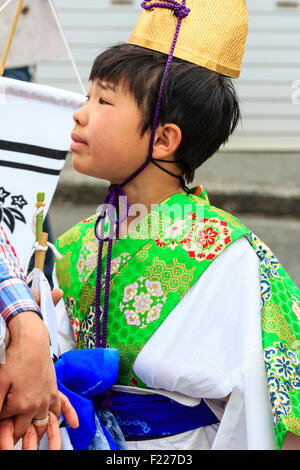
column 167, row 140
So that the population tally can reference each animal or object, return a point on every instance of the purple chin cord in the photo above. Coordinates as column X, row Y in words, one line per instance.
column 111, row 201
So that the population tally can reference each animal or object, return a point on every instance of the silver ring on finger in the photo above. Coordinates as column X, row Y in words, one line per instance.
column 41, row 422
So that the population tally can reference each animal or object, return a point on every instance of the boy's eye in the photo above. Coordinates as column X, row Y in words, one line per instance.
column 102, row 101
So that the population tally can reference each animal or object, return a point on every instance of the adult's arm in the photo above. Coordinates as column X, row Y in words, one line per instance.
column 28, row 386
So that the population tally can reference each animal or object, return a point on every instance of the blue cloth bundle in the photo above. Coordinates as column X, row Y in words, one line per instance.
column 82, row 375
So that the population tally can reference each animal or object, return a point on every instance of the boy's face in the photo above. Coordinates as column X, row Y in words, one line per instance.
column 107, row 141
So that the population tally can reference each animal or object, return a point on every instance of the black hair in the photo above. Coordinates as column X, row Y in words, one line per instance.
column 203, row 103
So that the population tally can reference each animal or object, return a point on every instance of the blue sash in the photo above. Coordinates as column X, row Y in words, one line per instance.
column 83, row 376
column 156, row 415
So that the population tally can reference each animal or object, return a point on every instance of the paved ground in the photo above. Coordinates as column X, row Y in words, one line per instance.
column 266, row 183
column 280, row 234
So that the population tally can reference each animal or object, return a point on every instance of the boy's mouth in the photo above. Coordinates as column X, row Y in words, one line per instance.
column 78, row 143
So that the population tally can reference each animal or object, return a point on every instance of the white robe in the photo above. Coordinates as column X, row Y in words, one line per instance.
column 207, row 348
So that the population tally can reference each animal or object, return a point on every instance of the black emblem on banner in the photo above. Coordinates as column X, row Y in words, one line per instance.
column 12, row 212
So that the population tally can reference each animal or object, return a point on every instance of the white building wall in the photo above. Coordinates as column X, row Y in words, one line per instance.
column 271, row 120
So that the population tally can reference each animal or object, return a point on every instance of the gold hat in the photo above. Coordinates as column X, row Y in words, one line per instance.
column 213, row 35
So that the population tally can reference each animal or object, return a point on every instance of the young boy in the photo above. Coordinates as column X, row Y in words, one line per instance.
column 186, row 289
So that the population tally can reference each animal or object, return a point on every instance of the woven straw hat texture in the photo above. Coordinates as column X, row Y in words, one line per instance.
column 213, row 35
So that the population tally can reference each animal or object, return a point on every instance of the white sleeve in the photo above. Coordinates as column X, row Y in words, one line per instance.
column 200, row 348
column 66, row 340
column 3, row 335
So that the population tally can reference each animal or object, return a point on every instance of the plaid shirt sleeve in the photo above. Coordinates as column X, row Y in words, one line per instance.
column 15, row 297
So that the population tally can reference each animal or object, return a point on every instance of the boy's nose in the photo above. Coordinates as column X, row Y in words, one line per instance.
column 80, row 117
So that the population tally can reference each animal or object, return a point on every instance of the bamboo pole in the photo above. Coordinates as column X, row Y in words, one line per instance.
column 11, row 36
column 41, row 237
column 41, row 255
column 40, row 218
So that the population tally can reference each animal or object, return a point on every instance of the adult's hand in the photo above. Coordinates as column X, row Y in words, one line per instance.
column 31, row 439
column 28, row 386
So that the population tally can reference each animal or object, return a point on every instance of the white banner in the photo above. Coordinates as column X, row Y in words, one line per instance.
column 35, row 136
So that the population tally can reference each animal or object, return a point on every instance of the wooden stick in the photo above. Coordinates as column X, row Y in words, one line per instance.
column 40, row 218
column 41, row 236
column 41, row 255
column 12, row 33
